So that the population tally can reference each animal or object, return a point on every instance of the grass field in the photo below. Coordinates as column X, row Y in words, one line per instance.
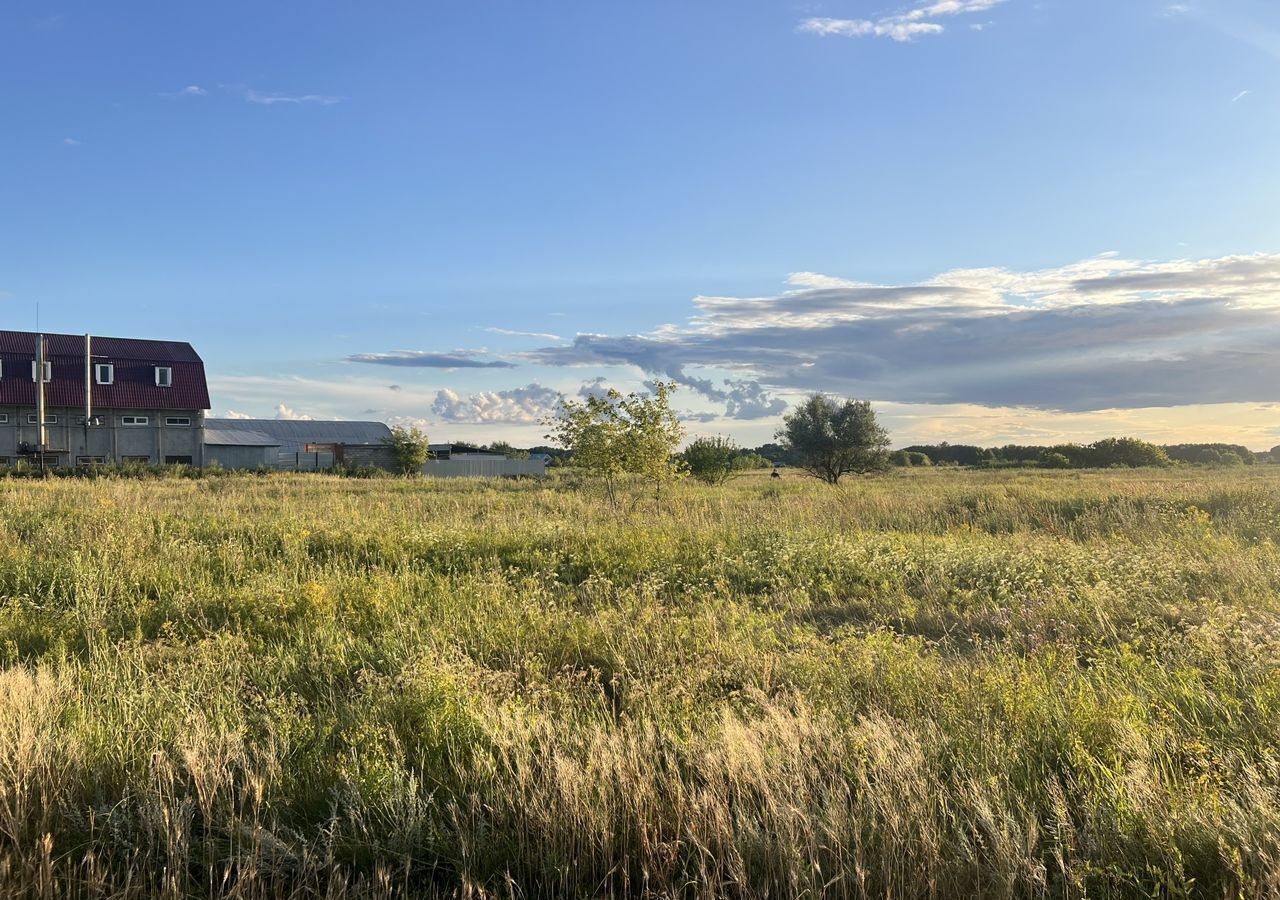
column 929, row 684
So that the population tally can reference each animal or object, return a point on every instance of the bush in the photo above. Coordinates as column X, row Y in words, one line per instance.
column 711, row 460
column 410, row 448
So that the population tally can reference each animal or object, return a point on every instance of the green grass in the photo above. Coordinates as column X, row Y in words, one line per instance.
column 929, row 684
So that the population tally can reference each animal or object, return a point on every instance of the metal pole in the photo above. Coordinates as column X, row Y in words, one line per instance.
column 41, row 436
column 88, row 391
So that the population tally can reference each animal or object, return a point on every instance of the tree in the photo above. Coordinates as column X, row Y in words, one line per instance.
column 1052, row 459
column 834, row 438
column 615, row 435
column 410, row 448
column 507, row 450
column 713, row 460
column 1126, row 451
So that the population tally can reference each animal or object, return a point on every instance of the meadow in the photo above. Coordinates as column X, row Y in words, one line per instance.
column 931, row 683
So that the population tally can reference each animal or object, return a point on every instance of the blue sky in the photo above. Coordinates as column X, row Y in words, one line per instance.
column 1022, row 220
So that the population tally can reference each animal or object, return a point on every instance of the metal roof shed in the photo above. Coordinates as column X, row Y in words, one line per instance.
column 237, row 449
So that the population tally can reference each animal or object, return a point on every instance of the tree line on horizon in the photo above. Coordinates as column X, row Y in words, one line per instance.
column 637, row 435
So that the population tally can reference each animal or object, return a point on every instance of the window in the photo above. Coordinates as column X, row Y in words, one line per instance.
column 164, row 376
column 4, row 418
column 48, row 419
column 104, row 373
column 178, row 421
column 144, row 460
column 96, row 420
column 177, row 460
column 135, row 420
column 91, row 460
column 48, row 371
column 4, row 461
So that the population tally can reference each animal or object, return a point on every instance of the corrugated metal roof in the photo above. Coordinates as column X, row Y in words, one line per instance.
column 230, row 437
column 134, row 362
column 294, row 434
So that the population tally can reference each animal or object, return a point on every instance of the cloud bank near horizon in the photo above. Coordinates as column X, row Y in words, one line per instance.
column 1104, row 333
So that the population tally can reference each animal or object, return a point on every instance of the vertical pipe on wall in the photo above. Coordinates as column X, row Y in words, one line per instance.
column 41, row 436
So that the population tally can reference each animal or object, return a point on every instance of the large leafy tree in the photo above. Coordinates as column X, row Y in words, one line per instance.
column 833, row 438
column 617, row 435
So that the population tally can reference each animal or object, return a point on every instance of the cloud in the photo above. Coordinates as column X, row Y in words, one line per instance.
column 526, row 405
column 1102, row 333
column 70, row 142
column 1240, row 96
column 540, row 335
column 748, row 400
column 596, row 387
column 191, row 90
column 901, row 27
column 233, row 414
column 284, row 412
column 420, row 359
column 270, row 99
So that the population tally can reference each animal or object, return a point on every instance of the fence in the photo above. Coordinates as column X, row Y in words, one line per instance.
column 305, row 462
column 484, row 467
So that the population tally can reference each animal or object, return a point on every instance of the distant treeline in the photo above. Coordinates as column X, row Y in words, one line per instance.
column 1108, row 453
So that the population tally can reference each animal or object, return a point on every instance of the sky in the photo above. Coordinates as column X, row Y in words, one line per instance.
column 1024, row 221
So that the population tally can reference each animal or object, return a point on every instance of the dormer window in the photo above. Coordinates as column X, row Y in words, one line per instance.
column 164, row 376
column 48, row 371
column 104, row 373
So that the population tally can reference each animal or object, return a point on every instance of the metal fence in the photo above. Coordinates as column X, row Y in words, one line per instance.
column 484, row 467
column 305, row 462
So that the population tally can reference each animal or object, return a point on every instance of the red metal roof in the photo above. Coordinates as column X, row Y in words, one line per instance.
column 134, row 361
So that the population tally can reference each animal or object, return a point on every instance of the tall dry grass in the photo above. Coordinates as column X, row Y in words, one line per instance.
column 934, row 684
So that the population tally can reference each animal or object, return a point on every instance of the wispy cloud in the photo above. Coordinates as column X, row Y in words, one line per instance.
column 191, row 90
column 1240, row 96
column 900, row 27
column 540, row 335
column 271, row 99
column 420, row 359
column 70, row 142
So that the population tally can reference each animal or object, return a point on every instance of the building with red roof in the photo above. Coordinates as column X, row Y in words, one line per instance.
column 106, row 400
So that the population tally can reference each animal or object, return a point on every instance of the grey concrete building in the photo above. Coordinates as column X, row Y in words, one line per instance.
column 106, row 400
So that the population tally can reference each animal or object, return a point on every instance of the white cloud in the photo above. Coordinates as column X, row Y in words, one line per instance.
column 270, row 99
column 900, row 27
column 70, row 142
column 526, row 405
column 284, row 412
column 1240, row 96
column 234, row 414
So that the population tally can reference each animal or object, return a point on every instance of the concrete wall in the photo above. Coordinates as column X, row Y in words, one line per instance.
column 112, row 440
column 378, row 455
